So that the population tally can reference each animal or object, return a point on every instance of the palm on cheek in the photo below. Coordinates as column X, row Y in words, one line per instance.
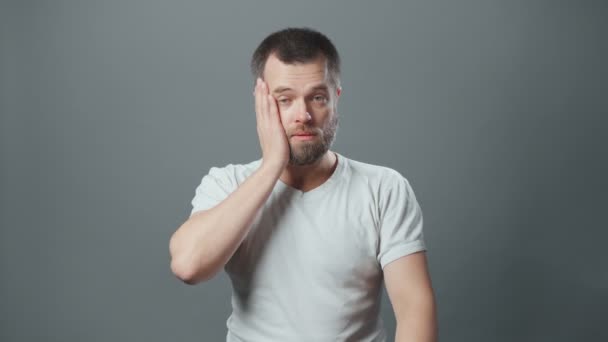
column 273, row 140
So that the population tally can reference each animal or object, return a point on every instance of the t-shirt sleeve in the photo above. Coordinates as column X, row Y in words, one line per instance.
column 214, row 188
column 400, row 221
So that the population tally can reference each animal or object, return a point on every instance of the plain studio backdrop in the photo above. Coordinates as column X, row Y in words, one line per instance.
column 112, row 111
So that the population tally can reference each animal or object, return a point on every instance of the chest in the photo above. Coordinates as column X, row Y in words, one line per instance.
column 332, row 242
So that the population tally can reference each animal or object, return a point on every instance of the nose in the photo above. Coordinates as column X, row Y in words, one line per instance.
column 302, row 112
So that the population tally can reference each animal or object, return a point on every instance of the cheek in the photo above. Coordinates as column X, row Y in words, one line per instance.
column 321, row 114
column 285, row 114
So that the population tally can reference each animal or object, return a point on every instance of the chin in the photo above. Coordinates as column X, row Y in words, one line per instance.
column 307, row 157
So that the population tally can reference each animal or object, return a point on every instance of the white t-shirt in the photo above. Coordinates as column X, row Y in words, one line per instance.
column 310, row 268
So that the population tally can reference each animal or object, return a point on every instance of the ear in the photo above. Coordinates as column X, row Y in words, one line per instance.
column 338, row 93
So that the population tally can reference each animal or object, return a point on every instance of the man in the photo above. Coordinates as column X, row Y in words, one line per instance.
column 306, row 234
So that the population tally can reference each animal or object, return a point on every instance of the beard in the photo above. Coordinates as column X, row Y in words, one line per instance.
column 308, row 152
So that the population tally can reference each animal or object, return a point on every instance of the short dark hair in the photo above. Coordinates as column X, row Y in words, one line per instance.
column 297, row 45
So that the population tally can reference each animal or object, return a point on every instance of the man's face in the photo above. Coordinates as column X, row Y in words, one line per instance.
column 307, row 103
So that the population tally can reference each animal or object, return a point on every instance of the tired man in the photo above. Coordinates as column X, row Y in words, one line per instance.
column 307, row 235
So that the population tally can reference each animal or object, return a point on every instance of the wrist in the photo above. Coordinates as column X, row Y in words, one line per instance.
column 271, row 169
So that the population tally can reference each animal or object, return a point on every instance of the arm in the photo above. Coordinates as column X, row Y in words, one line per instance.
column 203, row 244
column 408, row 285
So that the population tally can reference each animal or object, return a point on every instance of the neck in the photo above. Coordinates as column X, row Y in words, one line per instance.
column 308, row 177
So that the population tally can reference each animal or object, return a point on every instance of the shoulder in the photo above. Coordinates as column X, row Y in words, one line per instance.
column 377, row 176
column 384, row 184
column 234, row 173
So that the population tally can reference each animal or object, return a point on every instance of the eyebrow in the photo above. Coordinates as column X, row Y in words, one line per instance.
column 321, row 87
column 281, row 89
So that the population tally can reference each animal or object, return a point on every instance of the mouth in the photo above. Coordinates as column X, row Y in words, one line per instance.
column 304, row 136
column 304, row 133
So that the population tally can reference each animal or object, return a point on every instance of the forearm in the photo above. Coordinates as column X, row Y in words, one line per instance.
column 418, row 323
column 203, row 244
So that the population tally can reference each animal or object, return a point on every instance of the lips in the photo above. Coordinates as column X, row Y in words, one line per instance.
column 304, row 134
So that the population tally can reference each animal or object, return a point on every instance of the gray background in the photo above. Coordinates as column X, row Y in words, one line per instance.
column 112, row 111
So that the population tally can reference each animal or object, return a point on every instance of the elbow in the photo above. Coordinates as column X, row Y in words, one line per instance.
column 186, row 267
column 183, row 273
column 190, row 273
column 181, row 269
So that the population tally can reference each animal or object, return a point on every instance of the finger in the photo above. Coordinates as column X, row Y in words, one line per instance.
column 264, row 99
column 273, row 108
column 258, row 100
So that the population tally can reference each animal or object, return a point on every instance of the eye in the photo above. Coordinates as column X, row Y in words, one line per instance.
column 283, row 101
column 320, row 98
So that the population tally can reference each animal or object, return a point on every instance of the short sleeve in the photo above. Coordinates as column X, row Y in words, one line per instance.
column 400, row 221
column 214, row 188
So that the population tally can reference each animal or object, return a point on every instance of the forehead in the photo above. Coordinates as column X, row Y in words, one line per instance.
column 299, row 76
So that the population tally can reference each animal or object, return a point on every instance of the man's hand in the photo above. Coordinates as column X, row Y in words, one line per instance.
column 203, row 245
column 273, row 140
